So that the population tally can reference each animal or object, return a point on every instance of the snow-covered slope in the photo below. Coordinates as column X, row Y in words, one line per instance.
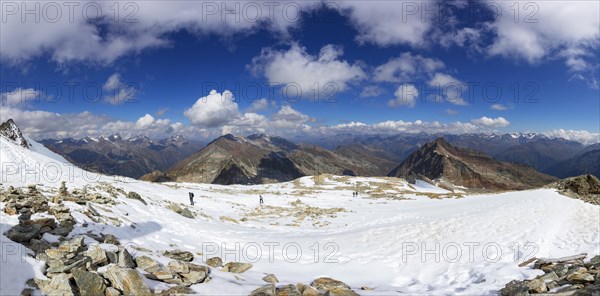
column 394, row 237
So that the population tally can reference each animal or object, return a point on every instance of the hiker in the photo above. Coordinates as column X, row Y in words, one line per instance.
column 261, row 200
column 353, row 193
column 192, row 198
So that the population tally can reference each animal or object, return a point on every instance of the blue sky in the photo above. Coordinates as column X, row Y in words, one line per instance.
column 164, row 69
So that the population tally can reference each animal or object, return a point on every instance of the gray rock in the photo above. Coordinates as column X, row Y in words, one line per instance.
column 112, row 257
column 58, row 286
column 580, row 277
column 214, row 262
column 58, row 265
column 515, row 288
column 236, row 267
column 110, row 239
column 177, row 290
column 110, row 291
column 536, row 286
column 125, row 259
column 89, row 283
column 147, row 264
column 288, row 290
column 24, row 233
column 179, row 255
column 178, row 267
column 268, row 290
column 97, row 255
column 551, row 276
column 270, row 278
column 333, row 287
column 197, row 273
column 127, row 280
column 136, row 196
column 560, row 269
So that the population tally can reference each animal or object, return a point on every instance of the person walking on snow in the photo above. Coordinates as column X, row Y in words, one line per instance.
column 260, row 199
column 192, row 198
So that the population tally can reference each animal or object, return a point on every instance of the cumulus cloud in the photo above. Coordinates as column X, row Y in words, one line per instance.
column 118, row 92
column 213, row 110
column 19, row 96
column 581, row 136
column 406, row 95
column 491, row 122
column 258, row 105
column 387, row 22
column 297, row 68
column 407, row 68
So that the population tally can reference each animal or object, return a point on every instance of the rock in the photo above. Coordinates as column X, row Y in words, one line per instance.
column 326, row 284
column 178, row 267
column 110, row 239
column 268, row 290
column 97, row 254
column 147, row 264
column 214, row 262
column 552, row 285
column 58, row 286
column 270, row 278
column 580, row 277
column 112, row 257
column 515, row 288
column 127, row 280
column 125, row 259
column 177, row 290
column 58, row 265
column 595, row 261
column 307, row 290
column 536, row 286
column 288, row 290
column 135, row 195
column 236, row 267
column 110, row 291
column 89, row 283
column 560, row 269
column 179, row 255
column 197, row 273
column 24, row 233
column 551, row 276
column 187, row 213
column 39, row 246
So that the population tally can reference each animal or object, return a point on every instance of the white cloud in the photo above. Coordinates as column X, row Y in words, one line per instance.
column 144, row 121
column 546, row 30
column 213, row 110
column 79, row 36
column 491, row 122
column 406, row 95
column 259, row 105
column 449, row 88
column 498, row 107
column 581, row 136
column 387, row 22
column 19, row 96
column 407, row 68
column 118, row 92
column 296, row 67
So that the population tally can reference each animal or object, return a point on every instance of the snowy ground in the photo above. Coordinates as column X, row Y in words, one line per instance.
column 394, row 237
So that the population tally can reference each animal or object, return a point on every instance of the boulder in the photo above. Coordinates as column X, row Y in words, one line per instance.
column 179, row 255
column 270, row 278
column 288, row 290
column 537, row 286
column 307, row 290
column 236, row 267
column 177, row 290
column 125, row 259
column 214, row 262
column 97, row 255
column 332, row 286
column 197, row 273
column 136, row 196
column 110, row 239
column 58, row 286
column 147, row 264
column 515, row 288
column 89, row 283
column 579, row 276
column 127, row 280
column 178, row 267
column 110, row 291
column 268, row 290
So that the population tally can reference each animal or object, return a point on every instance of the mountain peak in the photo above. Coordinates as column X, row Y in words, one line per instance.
column 11, row 131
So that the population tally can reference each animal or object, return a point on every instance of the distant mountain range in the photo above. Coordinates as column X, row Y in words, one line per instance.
column 262, row 158
column 547, row 155
column 132, row 157
column 441, row 161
